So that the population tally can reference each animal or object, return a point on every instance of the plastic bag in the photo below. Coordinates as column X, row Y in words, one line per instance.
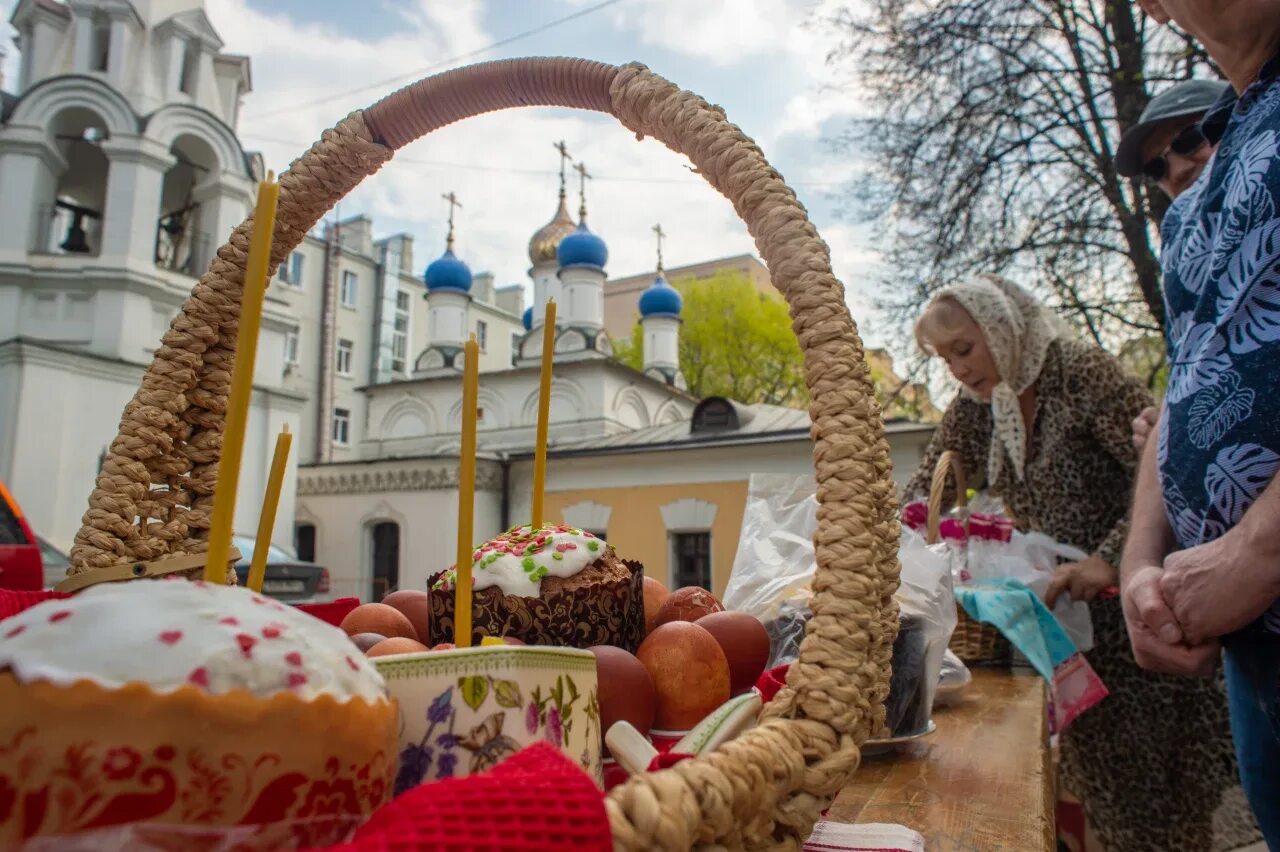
column 928, row 617
column 774, row 567
column 775, row 561
column 952, row 680
column 987, row 546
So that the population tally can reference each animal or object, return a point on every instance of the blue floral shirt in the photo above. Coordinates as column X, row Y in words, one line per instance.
column 1219, row 443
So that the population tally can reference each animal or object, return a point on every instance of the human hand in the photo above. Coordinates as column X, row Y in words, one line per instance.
column 1142, row 426
column 1217, row 588
column 1157, row 640
column 1082, row 580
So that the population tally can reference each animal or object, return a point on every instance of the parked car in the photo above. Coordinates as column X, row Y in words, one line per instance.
column 55, row 561
column 288, row 578
column 20, row 565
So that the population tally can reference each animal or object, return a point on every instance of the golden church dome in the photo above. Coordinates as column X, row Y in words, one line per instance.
column 543, row 243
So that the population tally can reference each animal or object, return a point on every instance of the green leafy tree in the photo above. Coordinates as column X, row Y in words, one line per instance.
column 735, row 342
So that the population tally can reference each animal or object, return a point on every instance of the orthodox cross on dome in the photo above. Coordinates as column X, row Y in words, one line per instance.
column 452, row 198
column 564, row 158
column 657, row 229
column 583, row 177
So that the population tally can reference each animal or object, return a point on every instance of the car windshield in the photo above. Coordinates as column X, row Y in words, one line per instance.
column 244, row 544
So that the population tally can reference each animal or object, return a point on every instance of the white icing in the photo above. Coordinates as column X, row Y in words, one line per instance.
column 171, row 633
column 517, row 560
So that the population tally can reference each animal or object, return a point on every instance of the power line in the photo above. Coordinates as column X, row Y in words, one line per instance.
column 391, row 81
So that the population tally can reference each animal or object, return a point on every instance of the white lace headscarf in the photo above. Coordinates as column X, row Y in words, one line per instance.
column 1018, row 330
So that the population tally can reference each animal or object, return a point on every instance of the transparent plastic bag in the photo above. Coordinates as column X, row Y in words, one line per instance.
column 927, row 606
column 952, row 680
column 771, row 580
column 775, row 561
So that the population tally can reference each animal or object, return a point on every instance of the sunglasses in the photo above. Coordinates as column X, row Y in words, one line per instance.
column 1187, row 142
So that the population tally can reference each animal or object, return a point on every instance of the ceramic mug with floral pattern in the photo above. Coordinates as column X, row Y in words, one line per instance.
column 465, row 710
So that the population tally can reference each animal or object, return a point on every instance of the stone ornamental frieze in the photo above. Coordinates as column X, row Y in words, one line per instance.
column 445, row 478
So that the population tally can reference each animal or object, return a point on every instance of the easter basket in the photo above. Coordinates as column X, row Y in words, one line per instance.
column 764, row 790
column 971, row 641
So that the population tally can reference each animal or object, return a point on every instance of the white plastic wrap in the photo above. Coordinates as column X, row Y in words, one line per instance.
column 775, row 561
column 771, row 579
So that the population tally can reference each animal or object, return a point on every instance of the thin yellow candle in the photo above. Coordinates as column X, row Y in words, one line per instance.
column 270, row 502
column 466, row 494
column 255, row 288
column 544, row 412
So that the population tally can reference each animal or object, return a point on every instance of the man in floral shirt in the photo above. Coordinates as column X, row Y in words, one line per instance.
column 1201, row 570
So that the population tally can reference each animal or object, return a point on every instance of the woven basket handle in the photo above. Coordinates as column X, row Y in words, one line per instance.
column 765, row 788
column 948, row 465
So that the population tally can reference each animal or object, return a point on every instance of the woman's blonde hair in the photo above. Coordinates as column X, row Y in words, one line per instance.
column 942, row 319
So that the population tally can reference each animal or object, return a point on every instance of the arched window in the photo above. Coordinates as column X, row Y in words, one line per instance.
column 386, row 559
column 183, row 243
column 72, row 218
column 304, row 542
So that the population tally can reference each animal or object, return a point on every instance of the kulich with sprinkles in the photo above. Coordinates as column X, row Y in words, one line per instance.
column 168, row 702
column 556, row 585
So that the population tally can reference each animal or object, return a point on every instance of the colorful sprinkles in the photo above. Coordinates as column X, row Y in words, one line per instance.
column 535, row 553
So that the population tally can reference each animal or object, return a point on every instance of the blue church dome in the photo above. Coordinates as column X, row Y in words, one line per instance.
column 660, row 298
column 527, row 319
column 582, row 248
column 447, row 272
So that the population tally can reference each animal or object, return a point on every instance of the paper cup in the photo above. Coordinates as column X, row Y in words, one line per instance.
column 465, row 710
column 82, row 758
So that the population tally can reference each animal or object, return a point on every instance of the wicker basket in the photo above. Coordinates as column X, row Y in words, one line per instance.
column 763, row 790
column 972, row 641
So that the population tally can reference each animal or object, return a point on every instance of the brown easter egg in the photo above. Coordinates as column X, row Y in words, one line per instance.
column 690, row 674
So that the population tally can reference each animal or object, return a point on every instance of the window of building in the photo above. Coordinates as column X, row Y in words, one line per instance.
column 187, row 74
column 290, row 272
column 342, row 359
column 348, row 290
column 516, row 337
column 100, row 49
column 291, row 347
column 482, row 334
column 304, row 542
column 342, row 426
column 400, row 334
column 692, row 559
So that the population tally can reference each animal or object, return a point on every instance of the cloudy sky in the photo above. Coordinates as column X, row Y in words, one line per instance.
column 764, row 61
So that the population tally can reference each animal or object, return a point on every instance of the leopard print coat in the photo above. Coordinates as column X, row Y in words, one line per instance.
column 1153, row 762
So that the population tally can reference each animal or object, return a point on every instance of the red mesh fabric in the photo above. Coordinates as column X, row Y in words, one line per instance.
column 12, row 603
column 332, row 612
column 772, row 681
column 537, row 800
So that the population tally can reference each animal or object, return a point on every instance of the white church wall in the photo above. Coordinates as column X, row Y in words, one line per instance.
column 344, row 502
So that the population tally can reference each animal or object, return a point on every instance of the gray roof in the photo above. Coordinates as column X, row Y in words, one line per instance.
column 759, row 423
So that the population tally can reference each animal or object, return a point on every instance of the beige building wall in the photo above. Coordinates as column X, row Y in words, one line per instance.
column 637, row 530
column 621, row 295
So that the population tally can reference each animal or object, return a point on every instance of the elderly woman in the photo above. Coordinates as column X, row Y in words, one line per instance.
column 1043, row 422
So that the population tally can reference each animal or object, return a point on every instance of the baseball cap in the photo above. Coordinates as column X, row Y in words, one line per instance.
column 1188, row 98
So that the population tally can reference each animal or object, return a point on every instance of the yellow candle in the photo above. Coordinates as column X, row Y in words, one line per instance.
column 466, row 495
column 255, row 287
column 544, row 412
column 267, row 520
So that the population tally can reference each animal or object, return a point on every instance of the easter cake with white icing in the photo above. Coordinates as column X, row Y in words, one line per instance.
column 169, row 702
column 555, row 585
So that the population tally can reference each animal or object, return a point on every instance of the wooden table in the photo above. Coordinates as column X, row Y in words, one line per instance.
column 981, row 782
